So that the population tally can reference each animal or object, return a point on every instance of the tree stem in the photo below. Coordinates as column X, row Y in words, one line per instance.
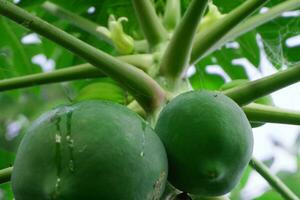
column 254, row 22
column 177, row 56
column 147, row 92
column 273, row 180
column 248, row 92
column 5, row 175
column 153, row 29
column 206, row 39
column 263, row 113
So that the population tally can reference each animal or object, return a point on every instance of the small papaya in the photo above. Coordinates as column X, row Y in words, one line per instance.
column 266, row 100
column 208, row 140
column 90, row 150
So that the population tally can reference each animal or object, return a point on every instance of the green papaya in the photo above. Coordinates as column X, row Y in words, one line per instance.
column 266, row 100
column 90, row 150
column 208, row 140
column 102, row 90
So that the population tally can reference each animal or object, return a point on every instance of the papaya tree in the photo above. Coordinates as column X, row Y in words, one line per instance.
column 121, row 116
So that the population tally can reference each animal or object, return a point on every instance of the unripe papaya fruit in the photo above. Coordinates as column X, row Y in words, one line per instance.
column 90, row 150
column 266, row 100
column 208, row 140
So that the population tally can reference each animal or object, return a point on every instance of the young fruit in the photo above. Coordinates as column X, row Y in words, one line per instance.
column 266, row 100
column 208, row 140
column 90, row 150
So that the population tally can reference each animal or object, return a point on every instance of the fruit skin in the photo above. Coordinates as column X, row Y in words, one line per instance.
column 111, row 154
column 208, row 140
column 266, row 100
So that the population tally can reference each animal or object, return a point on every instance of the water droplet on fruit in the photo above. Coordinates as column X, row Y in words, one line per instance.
column 70, row 140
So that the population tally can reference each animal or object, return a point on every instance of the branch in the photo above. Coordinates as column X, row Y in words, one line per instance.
column 153, row 29
column 254, row 22
column 147, row 92
column 83, row 71
column 248, row 92
column 5, row 175
column 263, row 113
column 172, row 14
column 273, row 180
column 177, row 56
column 209, row 37
column 82, row 23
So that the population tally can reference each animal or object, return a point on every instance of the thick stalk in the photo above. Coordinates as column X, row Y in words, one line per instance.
column 263, row 113
column 172, row 14
column 273, row 180
column 82, row 23
column 248, row 92
column 177, row 56
column 152, row 27
column 147, row 92
column 254, row 22
column 5, row 175
column 206, row 39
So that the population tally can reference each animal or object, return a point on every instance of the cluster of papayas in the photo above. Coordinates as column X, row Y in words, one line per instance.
column 96, row 149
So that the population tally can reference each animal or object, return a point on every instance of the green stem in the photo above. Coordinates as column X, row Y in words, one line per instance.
column 147, row 92
column 177, row 56
column 83, row 71
column 82, row 23
column 172, row 14
column 5, row 175
column 207, row 39
column 263, row 113
column 273, row 180
column 248, row 92
column 153, row 29
column 256, row 21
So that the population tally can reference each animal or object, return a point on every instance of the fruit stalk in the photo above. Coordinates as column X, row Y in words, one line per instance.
column 248, row 92
column 273, row 180
column 5, row 175
column 177, row 56
column 254, row 22
column 149, row 94
column 206, row 39
column 264, row 113
column 153, row 29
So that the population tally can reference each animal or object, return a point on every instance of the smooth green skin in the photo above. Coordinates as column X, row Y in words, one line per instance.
column 102, row 91
column 266, row 100
column 116, row 156
column 208, row 140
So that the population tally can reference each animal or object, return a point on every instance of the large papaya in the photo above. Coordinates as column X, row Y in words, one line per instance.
column 208, row 140
column 266, row 100
column 90, row 150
